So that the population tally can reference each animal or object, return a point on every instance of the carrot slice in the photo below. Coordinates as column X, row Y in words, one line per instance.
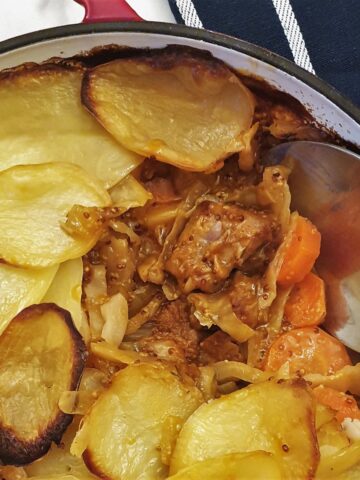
column 306, row 303
column 301, row 253
column 344, row 405
column 308, row 350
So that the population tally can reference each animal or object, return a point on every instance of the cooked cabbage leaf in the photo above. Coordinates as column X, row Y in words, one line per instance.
column 129, row 193
column 216, row 309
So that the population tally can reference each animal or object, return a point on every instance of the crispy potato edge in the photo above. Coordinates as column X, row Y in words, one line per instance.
column 93, row 468
column 37, row 69
column 159, row 59
column 300, row 386
column 18, row 452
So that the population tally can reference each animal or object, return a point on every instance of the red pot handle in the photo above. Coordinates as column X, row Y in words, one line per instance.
column 108, row 11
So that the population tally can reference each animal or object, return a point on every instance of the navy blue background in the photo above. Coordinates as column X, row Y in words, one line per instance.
column 331, row 30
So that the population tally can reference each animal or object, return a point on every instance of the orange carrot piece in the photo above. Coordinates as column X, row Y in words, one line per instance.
column 344, row 405
column 308, row 350
column 300, row 254
column 306, row 303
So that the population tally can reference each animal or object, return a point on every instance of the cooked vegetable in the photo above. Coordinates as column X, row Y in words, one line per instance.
column 20, row 288
column 281, row 414
column 269, row 280
column 308, row 350
column 12, row 473
column 145, row 314
column 78, row 402
column 333, row 465
column 182, row 109
column 34, row 201
column 58, row 463
column 237, row 466
column 228, row 370
column 109, row 352
column 273, row 192
column 186, row 275
column 162, row 214
column 216, row 309
column 152, row 269
column 345, row 379
column 42, row 354
column 129, row 193
column 324, row 415
column 115, row 315
column 41, row 109
column 306, row 303
column 120, row 437
column 331, row 438
column 66, row 290
column 344, row 405
column 301, row 253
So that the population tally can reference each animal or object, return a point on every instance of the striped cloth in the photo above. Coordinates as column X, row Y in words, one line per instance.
column 321, row 36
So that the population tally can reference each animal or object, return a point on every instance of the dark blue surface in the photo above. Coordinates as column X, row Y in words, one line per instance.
column 331, row 30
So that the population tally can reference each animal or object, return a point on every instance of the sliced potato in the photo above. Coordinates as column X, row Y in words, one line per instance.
column 42, row 120
column 58, row 462
column 66, row 290
column 187, row 110
column 235, row 466
column 34, row 201
column 278, row 418
column 121, row 436
column 41, row 355
column 20, row 288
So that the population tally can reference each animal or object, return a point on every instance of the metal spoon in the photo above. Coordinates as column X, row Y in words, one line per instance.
column 325, row 187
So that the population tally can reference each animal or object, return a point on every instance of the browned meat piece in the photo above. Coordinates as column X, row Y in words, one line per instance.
column 219, row 346
column 217, row 239
column 172, row 338
column 244, row 298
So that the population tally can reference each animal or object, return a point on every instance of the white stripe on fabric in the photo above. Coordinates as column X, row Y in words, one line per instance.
column 293, row 34
column 189, row 13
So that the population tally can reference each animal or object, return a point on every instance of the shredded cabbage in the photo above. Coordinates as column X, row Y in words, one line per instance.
column 216, row 309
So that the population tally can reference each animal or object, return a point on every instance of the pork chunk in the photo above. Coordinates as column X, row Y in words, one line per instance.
column 216, row 239
column 173, row 337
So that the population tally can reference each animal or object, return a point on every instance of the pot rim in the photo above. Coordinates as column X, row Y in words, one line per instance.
column 170, row 29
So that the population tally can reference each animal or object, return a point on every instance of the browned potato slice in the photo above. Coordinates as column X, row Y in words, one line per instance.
column 185, row 109
column 275, row 417
column 122, row 437
column 34, row 203
column 41, row 108
column 235, row 466
column 41, row 355
column 58, row 462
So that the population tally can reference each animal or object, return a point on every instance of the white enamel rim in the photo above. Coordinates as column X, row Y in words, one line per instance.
column 326, row 105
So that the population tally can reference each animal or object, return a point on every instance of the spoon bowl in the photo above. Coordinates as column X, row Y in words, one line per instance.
column 325, row 187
